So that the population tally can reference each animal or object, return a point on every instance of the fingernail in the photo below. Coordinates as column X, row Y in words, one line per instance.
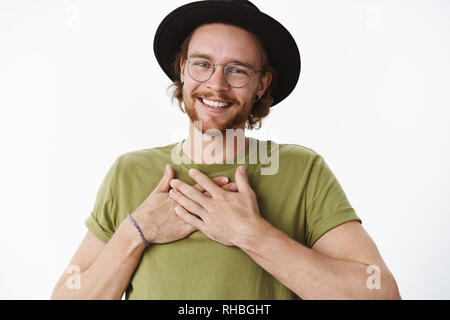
column 234, row 187
column 172, row 183
column 242, row 169
column 172, row 192
column 225, row 180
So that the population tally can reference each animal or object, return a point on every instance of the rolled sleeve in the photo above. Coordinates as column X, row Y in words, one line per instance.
column 102, row 221
column 327, row 204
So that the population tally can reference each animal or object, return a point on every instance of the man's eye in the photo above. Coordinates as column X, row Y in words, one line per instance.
column 202, row 64
column 237, row 70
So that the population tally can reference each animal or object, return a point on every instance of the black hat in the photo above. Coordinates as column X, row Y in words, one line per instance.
column 279, row 44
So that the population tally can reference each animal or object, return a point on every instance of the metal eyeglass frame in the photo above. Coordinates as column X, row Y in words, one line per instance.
column 224, row 73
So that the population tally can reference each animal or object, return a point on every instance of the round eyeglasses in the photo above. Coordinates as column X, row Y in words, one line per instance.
column 236, row 75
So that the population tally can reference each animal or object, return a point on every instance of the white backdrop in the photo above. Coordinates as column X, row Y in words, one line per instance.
column 79, row 86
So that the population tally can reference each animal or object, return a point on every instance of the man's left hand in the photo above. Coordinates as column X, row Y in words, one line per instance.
column 225, row 217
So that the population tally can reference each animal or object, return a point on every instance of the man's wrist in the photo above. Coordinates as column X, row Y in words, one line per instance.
column 148, row 229
column 256, row 232
column 131, row 237
column 139, row 231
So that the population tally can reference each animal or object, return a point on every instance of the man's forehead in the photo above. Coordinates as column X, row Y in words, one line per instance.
column 219, row 39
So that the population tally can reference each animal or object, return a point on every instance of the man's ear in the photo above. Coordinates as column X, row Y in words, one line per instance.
column 182, row 65
column 264, row 83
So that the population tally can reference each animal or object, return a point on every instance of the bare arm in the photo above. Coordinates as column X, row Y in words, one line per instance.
column 106, row 269
column 336, row 267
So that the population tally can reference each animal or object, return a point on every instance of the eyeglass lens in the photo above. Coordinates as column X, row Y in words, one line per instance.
column 236, row 75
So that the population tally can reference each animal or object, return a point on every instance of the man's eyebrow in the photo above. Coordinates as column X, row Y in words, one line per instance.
column 208, row 57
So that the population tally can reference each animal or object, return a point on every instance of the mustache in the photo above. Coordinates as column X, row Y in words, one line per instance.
column 209, row 95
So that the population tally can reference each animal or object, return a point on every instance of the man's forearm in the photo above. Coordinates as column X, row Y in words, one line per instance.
column 310, row 274
column 110, row 274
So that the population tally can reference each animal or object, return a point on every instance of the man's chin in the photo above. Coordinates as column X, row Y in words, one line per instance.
column 204, row 125
column 208, row 126
column 213, row 125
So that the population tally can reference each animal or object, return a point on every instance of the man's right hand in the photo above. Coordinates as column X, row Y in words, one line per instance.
column 156, row 215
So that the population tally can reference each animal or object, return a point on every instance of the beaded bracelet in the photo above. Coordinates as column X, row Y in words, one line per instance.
column 139, row 230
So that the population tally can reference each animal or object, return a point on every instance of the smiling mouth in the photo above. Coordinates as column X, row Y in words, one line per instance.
column 218, row 105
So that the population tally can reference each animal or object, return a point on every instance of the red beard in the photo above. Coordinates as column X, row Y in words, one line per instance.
column 240, row 113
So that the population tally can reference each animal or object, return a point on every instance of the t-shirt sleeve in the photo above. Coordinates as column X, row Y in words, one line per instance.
column 102, row 220
column 327, row 205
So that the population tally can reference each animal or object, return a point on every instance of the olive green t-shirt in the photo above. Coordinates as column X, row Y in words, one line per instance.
column 296, row 191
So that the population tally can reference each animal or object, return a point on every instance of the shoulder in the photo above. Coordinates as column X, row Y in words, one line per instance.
column 144, row 157
column 297, row 154
column 287, row 159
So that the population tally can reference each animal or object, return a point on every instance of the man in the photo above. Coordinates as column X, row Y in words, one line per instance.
column 286, row 233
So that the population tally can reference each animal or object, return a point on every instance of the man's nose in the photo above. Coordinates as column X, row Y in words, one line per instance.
column 217, row 81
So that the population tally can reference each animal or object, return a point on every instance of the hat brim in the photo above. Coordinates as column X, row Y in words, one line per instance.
column 280, row 46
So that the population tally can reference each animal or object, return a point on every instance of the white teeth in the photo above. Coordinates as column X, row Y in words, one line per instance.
column 215, row 104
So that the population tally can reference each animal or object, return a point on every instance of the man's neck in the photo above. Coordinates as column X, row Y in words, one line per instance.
column 204, row 148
